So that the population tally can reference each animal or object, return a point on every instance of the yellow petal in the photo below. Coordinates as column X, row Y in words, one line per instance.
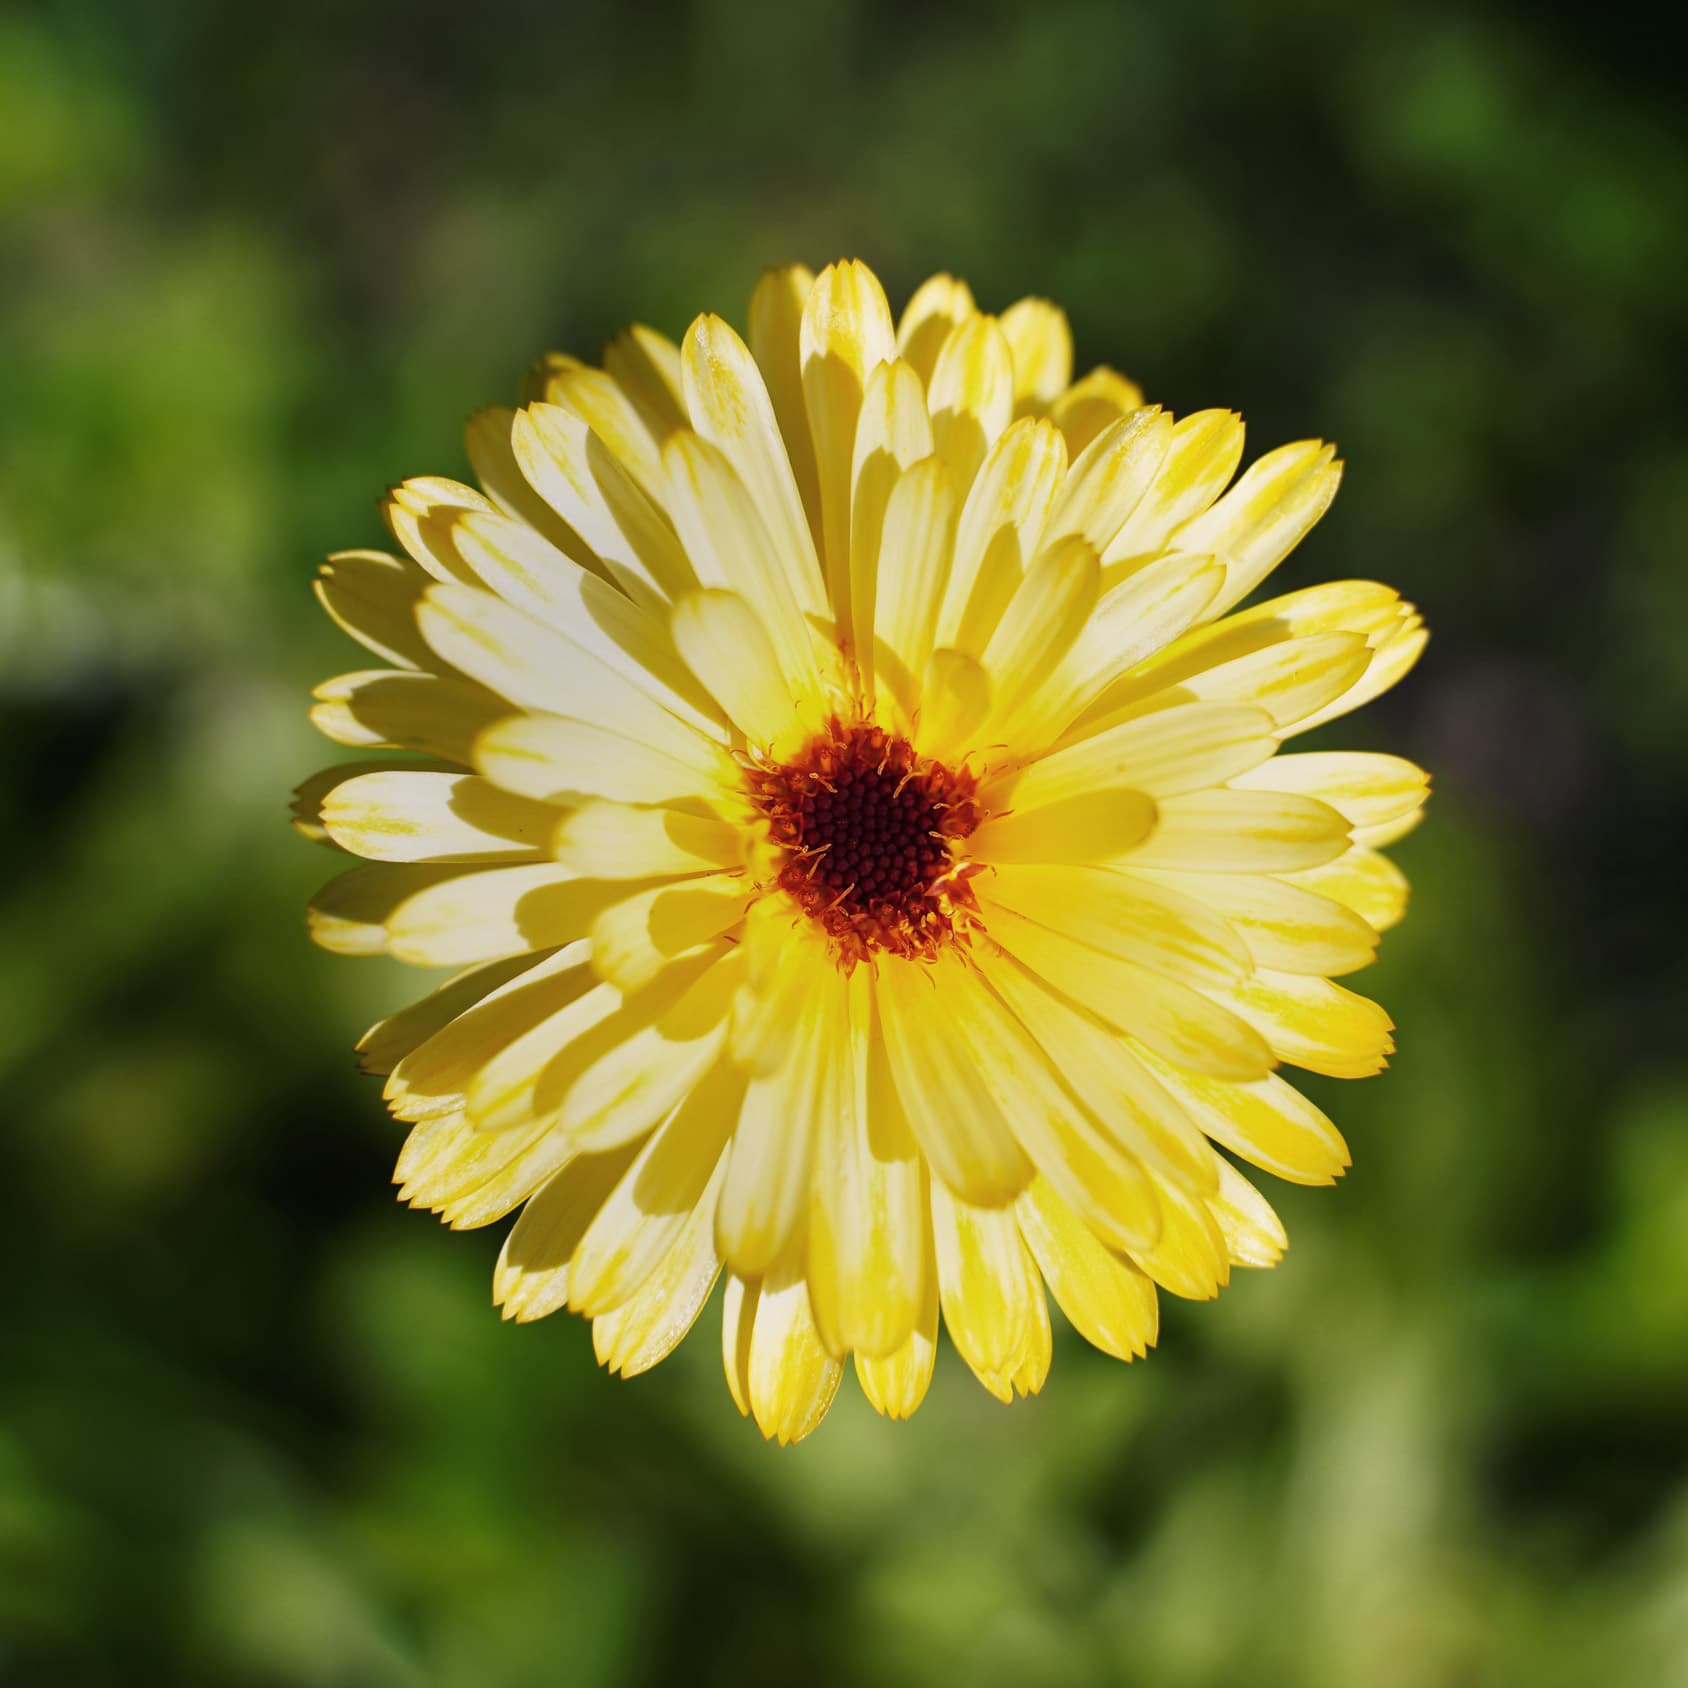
column 600, row 401
column 1110, row 476
column 1200, row 458
column 971, row 395
column 938, row 304
column 633, row 940
column 617, row 841
column 496, row 912
column 420, row 512
column 1093, row 403
column 866, row 1219
column 531, row 1278
column 955, row 702
column 1110, row 1302
column 1096, row 826
column 562, row 761
column 396, row 708
column 1189, row 1258
column 1182, row 1024
column 896, row 1384
column 1360, row 879
column 488, row 438
column 776, row 326
column 1369, row 789
column 726, row 645
column 916, row 543
column 1254, row 1235
column 1264, row 516
column 401, row 816
column 472, row 1178
column 986, row 1284
column 349, row 914
column 1284, row 926
column 730, row 408
column 957, row 1121
column 1186, row 748
column 846, row 333
column 1393, row 656
column 1000, row 530
column 1268, row 1122
column 646, row 365
column 791, row 1378
column 1230, row 831
column 389, row 1040
column 1050, row 609
column 677, row 1172
column 1041, row 342
column 768, row 1171
column 893, row 433
column 1314, row 1023
column 1123, row 914
column 373, row 597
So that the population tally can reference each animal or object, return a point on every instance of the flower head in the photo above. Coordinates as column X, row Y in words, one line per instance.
column 854, row 805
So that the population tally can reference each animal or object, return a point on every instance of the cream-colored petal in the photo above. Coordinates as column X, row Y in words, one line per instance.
column 1000, row 530
column 399, row 709
column 1201, row 457
column 916, row 543
column 846, row 333
column 791, row 1379
column 678, row 1171
column 373, row 597
column 730, row 407
column 617, row 841
column 401, row 816
column 727, row 646
column 601, row 402
column 956, row 1119
column 1255, row 525
column 488, row 438
column 1230, row 831
column 776, row 327
column 471, row 1178
column 492, row 913
column 1184, row 1025
column 986, row 1284
column 584, row 482
column 1284, row 926
column 937, row 305
column 971, row 395
column 1110, row 1302
column 1096, row 826
column 1041, row 342
column 1314, row 1023
column 893, row 433
column 1094, row 402
column 634, row 940
column 866, row 1219
column 955, row 703
column 1167, row 753
column 1393, row 656
column 766, row 1193
column 1125, row 914
column 1360, row 879
column 1268, row 1122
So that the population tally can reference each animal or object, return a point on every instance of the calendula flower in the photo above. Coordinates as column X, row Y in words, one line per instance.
column 840, row 773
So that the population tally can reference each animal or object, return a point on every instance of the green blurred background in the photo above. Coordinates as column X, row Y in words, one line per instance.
column 260, row 1425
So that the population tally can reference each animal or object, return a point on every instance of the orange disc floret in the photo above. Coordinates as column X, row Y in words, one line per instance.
column 868, row 829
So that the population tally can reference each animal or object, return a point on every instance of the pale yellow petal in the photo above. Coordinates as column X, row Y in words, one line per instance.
column 846, row 333
column 1109, row 1301
column 647, row 366
column 1371, row 790
column 896, row 1383
column 971, row 395
column 1201, row 457
column 349, row 914
column 791, row 1379
column 1041, row 341
column 563, row 761
column 1230, row 831
column 986, row 1284
column 956, row 1119
column 1254, row 1235
column 1361, row 879
column 373, row 597
column 955, row 703
column 617, row 841
column 397, row 708
column 420, row 514
column 916, row 544
column 1094, row 826
column 489, row 442
column 401, row 816
column 389, row 1040
column 727, row 646
column 937, row 305
column 776, row 326
column 1110, row 476
column 1050, row 609
column 601, row 402
column 1189, row 1258
column 1094, row 402
column 1313, row 1023
column 633, row 940
column 531, row 1278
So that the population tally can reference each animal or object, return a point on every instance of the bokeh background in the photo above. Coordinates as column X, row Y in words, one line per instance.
column 260, row 1425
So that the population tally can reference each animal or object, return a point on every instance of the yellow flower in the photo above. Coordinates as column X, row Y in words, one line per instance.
column 841, row 776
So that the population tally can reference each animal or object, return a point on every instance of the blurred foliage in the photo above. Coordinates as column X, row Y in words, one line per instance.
column 257, row 1424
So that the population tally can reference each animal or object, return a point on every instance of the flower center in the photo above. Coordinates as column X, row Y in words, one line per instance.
column 868, row 828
